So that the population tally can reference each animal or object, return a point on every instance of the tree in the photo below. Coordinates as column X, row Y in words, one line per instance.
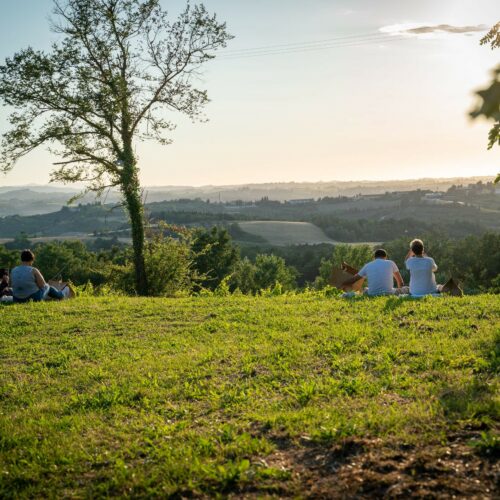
column 243, row 277
column 214, row 256
column 267, row 272
column 118, row 66
column 8, row 258
column 169, row 265
column 69, row 260
column 271, row 270
column 20, row 242
column 489, row 105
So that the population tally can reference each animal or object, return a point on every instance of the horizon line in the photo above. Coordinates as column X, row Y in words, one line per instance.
column 333, row 181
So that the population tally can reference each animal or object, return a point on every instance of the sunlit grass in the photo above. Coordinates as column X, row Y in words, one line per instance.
column 126, row 396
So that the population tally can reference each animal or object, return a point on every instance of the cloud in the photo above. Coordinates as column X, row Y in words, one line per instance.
column 413, row 29
column 446, row 28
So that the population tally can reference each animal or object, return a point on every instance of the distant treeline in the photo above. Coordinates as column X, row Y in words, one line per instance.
column 355, row 230
column 460, row 212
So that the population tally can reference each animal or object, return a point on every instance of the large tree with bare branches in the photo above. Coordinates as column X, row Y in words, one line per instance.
column 119, row 69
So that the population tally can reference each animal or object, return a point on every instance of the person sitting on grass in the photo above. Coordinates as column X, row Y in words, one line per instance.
column 5, row 290
column 380, row 273
column 28, row 283
column 422, row 269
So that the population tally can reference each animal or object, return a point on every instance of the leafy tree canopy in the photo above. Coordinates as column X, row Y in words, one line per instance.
column 489, row 98
column 119, row 66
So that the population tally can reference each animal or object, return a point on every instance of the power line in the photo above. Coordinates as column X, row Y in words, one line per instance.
column 308, row 48
column 313, row 42
column 318, row 46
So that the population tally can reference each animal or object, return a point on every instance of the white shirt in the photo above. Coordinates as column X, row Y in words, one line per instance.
column 422, row 279
column 380, row 275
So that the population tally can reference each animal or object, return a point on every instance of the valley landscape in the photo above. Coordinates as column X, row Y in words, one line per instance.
column 474, row 205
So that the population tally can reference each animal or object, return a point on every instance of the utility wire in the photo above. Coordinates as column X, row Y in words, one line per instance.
column 303, row 48
column 307, row 48
column 313, row 42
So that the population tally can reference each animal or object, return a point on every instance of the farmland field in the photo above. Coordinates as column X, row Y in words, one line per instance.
column 250, row 396
column 282, row 233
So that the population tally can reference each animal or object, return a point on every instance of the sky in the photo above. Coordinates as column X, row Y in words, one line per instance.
column 380, row 108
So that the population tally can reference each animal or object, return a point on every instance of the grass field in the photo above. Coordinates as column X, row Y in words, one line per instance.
column 282, row 233
column 289, row 396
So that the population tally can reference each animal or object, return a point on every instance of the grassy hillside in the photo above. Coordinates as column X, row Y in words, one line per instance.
column 282, row 233
column 283, row 396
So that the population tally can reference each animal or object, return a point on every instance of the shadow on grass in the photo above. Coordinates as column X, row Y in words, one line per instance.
column 474, row 406
column 394, row 303
column 462, row 460
column 397, row 301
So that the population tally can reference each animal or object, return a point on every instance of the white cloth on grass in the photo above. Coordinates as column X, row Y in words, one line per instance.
column 422, row 279
column 380, row 276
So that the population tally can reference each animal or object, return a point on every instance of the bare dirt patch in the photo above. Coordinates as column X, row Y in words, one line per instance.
column 373, row 469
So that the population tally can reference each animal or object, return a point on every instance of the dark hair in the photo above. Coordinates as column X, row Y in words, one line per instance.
column 417, row 247
column 380, row 253
column 27, row 256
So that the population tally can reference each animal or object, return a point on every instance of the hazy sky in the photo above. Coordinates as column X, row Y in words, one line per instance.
column 370, row 110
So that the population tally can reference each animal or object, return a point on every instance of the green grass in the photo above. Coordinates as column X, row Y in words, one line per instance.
column 283, row 233
column 157, row 397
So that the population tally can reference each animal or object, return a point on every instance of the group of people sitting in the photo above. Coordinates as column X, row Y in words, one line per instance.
column 382, row 272
column 26, row 283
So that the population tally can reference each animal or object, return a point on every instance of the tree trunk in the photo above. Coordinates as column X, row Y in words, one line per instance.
column 131, row 192
column 135, row 210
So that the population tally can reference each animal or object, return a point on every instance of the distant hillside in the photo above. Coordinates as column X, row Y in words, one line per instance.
column 282, row 233
column 32, row 200
column 281, row 191
column 456, row 213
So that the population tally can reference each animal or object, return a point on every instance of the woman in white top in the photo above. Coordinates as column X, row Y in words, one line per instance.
column 422, row 269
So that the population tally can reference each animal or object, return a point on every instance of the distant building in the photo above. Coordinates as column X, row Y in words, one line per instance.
column 237, row 208
column 432, row 196
column 438, row 201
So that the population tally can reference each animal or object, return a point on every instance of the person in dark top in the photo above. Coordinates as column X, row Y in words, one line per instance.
column 5, row 290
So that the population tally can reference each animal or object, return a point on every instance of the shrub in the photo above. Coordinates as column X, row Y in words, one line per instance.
column 69, row 260
column 243, row 277
column 169, row 266
column 270, row 270
column 214, row 256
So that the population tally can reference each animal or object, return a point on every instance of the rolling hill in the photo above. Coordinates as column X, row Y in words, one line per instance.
column 282, row 233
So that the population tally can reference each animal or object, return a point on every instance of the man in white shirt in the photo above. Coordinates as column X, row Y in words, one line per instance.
column 380, row 273
column 422, row 269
